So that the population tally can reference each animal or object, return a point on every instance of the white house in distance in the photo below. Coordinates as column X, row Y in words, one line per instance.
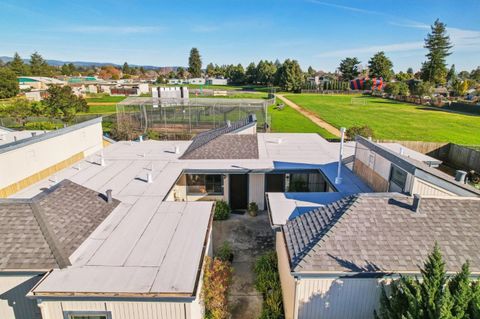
column 122, row 231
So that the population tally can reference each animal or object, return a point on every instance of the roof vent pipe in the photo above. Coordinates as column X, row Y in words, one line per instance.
column 338, row 179
column 229, row 123
column 460, row 176
column 279, row 140
column 149, row 178
column 102, row 160
column 416, row 203
column 177, row 150
column 402, row 150
column 109, row 196
column 34, row 133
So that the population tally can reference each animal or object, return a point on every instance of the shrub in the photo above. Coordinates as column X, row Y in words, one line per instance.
column 392, row 88
column 365, row 131
column 217, row 278
column 43, row 126
column 222, row 210
column 225, row 252
column 253, row 209
column 267, row 282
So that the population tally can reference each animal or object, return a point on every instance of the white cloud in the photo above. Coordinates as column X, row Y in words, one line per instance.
column 395, row 47
column 126, row 29
column 342, row 7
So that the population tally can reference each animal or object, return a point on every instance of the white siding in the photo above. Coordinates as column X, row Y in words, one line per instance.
column 337, row 298
column 13, row 301
column 256, row 190
column 119, row 309
column 35, row 157
column 286, row 279
column 422, row 187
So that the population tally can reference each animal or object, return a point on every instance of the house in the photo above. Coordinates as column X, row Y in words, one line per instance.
column 386, row 168
column 37, row 82
column 334, row 259
column 145, row 224
column 177, row 92
column 215, row 81
column 196, row 81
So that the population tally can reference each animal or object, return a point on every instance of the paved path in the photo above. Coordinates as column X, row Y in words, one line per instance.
column 249, row 238
column 312, row 116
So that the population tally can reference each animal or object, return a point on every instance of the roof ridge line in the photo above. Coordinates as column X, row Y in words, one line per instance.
column 55, row 246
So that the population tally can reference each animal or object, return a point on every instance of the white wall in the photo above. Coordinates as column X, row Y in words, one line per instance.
column 422, row 187
column 337, row 298
column 119, row 309
column 30, row 159
column 256, row 190
column 13, row 301
column 376, row 162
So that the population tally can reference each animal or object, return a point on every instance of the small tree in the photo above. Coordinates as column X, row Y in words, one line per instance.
column 349, row 68
column 62, row 104
column 8, row 84
column 380, row 66
column 365, row 131
column 435, row 296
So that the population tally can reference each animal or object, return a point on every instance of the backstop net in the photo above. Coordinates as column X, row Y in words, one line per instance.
column 183, row 118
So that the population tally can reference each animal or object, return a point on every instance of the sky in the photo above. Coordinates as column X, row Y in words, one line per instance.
column 315, row 32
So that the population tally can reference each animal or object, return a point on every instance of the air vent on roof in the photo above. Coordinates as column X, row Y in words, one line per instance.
column 416, row 203
column 460, row 176
column 109, row 196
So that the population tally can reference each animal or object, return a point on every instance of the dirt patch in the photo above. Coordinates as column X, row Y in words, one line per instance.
column 249, row 238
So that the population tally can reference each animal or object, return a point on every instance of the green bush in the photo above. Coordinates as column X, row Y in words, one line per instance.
column 222, row 210
column 225, row 252
column 49, row 126
column 267, row 282
column 365, row 131
column 253, row 209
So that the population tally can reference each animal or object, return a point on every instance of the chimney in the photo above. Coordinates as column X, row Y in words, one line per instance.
column 416, row 203
column 109, row 196
column 460, row 176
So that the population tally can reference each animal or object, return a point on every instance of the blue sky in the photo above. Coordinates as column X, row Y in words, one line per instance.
column 317, row 33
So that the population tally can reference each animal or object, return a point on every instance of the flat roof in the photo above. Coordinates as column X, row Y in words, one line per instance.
column 7, row 137
column 127, row 254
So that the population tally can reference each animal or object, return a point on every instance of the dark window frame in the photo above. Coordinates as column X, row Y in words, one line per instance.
column 208, row 182
column 397, row 182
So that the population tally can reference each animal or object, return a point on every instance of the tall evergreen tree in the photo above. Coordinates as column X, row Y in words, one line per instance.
column 195, row 63
column 452, row 75
column 251, row 73
column 8, row 83
column 438, row 44
column 17, row 65
column 291, row 76
column 210, row 70
column 311, row 71
column 410, row 71
column 38, row 66
column 461, row 291
column 380, row 66
column 126, row 69
column 349, row 68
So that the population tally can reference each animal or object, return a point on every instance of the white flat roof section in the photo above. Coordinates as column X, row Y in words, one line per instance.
column 286, row 206
column 398, row 148
column 151, row 247
column 13, row 136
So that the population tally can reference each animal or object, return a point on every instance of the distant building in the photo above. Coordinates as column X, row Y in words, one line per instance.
column 197, row 81
column 37, row 82
column 213, row 81
column 177, row 92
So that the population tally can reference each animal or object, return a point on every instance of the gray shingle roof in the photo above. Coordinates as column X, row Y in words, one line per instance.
column 221, row 144
column 42, row 232
column 381, row 233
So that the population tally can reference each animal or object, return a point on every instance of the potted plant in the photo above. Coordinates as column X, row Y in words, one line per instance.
column 253, row 209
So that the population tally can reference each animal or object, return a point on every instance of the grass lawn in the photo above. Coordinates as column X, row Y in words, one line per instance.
column 105, row 99
column 101, row 109
column 290, row 121
column 260, row 88
column 393, row 120
column 259, row 95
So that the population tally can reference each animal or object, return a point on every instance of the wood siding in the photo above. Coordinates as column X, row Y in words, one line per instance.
column 337, row 298
column 256, row 190
column 119, row 309
column 286, row 278
column 369, row 176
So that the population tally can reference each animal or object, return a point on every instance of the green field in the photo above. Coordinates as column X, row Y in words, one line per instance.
column 259, row 95
column 259, row 88
column 105, row 99
column 393, row 120
column 290, row 121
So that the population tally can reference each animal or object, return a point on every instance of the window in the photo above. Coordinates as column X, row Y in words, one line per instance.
column 87, row 315
column 306, row 182
column 204, row 184
column 398, row 179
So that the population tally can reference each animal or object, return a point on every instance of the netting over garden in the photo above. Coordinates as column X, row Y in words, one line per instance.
column 185, row 117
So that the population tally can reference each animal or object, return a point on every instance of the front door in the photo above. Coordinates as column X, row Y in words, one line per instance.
column 238, row 191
